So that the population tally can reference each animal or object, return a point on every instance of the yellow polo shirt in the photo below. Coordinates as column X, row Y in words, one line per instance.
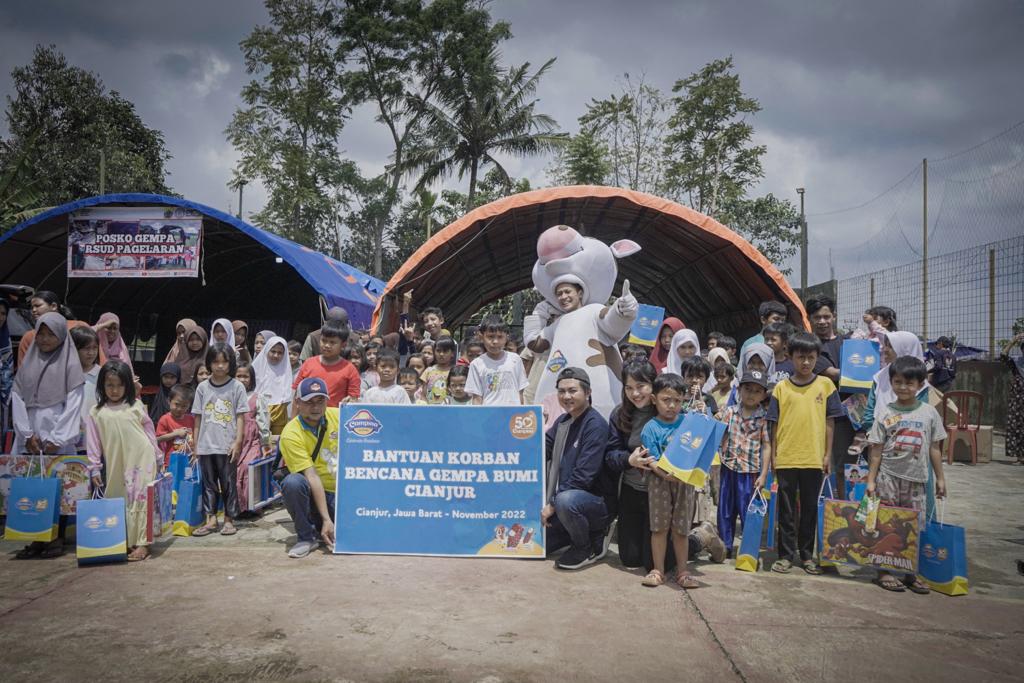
column 298, row 441
column 800, row 413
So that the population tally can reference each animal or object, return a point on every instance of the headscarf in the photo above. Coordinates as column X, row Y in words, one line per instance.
column 713, row 355
column 178, row 352
column 675, row 363
column 228, row 327
column 193, row 359
column 755, row 349
column 266, row 334
column 274, row 382
column 659, row 354
column 113, row 349
column 46, row 379
column 162, row 399
column 904, row 344
column 237, row 325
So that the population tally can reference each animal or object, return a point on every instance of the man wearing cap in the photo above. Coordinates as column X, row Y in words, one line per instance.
column 309, row 448
column 578, row 487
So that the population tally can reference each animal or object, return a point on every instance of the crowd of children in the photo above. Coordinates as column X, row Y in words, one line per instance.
column 224, row 406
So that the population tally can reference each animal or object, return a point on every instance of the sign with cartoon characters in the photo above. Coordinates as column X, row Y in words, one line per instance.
column 892, row 545
column 72, row 470
column 137, row 241
column 440, row 480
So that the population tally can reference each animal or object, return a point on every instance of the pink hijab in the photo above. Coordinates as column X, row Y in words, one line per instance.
column 113, row 349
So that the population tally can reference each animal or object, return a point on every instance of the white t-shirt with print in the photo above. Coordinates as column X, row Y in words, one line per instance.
column 498, row 382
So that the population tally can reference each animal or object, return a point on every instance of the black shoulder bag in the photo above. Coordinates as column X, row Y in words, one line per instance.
column 282, row 471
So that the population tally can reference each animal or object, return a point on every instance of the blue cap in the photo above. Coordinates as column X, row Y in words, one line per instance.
column 311, row 387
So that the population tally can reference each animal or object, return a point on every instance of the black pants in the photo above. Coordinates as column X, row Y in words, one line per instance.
column 798, row 526
column 634, row 533
column 219, row 484
column 841, row 440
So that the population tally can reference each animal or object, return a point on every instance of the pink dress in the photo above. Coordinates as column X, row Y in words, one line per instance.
column 255, row 432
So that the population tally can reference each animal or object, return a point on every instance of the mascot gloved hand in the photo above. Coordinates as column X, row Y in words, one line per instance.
column 534, row 324
column 627, row 305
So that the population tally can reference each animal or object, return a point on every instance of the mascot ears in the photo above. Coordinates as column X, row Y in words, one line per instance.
column 623, row 248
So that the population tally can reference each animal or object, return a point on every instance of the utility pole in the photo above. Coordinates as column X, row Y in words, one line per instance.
column 924, row 257
column 241, row 185
column 803, row 245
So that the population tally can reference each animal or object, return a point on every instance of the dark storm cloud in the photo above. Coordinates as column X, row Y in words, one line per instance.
column 854, row 94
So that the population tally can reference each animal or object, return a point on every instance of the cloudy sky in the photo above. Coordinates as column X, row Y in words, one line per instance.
column 854, row 94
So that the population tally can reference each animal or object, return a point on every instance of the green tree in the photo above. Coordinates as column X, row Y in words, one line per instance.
column 59, row 119
column 769, row 223
column 583, row 161
column 482, row 110
column 288, row 132
column 494, row 186
column 710, row 157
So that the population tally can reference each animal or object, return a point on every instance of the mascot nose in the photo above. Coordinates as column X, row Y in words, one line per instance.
column 558, row 242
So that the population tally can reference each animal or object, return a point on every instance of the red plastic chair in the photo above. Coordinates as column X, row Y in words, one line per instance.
column 964, row 401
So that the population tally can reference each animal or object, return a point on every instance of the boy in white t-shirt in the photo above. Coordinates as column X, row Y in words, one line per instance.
column 496, row 378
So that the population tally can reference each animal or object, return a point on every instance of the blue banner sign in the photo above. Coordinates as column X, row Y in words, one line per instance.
column 440, row 480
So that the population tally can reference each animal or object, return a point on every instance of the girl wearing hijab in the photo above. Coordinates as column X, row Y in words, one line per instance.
column 716, row 356
column 659, row 354
column 222, row 331
column 44, row 301
column 685, row 344
column 196, row 343
column 261, row 339
column 274, row 381
column 170, row 374
column 46, row 402
column 178, row 353
column 241, row 330
column 112, row 346
column 1015, row 406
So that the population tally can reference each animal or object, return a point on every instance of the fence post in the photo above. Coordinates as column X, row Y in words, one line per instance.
column 872, row 293
column 992, row 303
column 924, row 256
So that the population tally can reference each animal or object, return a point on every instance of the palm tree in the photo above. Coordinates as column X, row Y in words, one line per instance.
column 480, row 112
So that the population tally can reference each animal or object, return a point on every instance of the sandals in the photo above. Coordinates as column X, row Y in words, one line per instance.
column 228, row 529
column 204, row 530
column 687, row 581
column 812, row 568
column 916, row 585
column 653, row 579
column 889, row 582
column 782, row 566
column 139, row 554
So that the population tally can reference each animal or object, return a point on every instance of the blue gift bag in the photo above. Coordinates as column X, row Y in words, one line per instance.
column 178, row 464
column 942, row 562
column 861, row 359
column 753, row 522
column 691, row 450
column 33, row 509
column 647, row 325
column 102, row 536
column 189, row 513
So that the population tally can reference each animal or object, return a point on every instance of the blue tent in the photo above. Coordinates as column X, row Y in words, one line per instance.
column 241, row 271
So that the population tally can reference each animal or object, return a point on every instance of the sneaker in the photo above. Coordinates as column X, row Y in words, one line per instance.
column 600, row 544
column 576, row 558
column 301, row 549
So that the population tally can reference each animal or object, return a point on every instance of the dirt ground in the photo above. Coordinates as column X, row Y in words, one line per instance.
column 238, row 609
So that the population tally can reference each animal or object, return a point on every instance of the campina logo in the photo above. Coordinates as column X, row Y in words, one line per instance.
column 363, row 423
column 93, row 522
column 24, row 504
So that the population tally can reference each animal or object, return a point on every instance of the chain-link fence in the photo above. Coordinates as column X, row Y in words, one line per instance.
column 974, row 294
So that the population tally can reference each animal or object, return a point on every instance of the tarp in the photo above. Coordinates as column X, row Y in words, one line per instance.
column 240, row 270
column 691, row 265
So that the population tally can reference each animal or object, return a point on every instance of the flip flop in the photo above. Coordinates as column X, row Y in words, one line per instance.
column 228, row 530
column 812, row 568
column 916, row 586
column 893, row 585
column 132, row 557
column 204, row 530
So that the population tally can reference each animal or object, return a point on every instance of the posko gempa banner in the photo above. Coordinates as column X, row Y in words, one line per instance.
column 134, row 241
column 440, row 480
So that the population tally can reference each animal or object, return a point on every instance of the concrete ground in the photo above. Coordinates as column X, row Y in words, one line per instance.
column 238, row 609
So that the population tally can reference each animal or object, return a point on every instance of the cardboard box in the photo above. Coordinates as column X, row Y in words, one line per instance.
column 962, row 446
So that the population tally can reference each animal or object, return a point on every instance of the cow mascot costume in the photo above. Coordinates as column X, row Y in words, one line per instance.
column 575, row 275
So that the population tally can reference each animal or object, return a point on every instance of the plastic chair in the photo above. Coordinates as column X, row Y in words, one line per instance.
column 964, row 401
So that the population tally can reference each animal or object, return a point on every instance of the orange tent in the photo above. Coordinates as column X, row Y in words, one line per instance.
column 696, row 268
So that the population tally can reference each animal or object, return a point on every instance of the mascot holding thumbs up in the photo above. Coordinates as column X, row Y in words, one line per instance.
column 575, row 274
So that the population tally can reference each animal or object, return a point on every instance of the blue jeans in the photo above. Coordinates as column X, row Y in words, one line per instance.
column 580, row 518
column 298, row 500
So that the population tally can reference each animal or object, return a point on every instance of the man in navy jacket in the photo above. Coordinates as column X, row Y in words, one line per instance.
column 576, row 513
